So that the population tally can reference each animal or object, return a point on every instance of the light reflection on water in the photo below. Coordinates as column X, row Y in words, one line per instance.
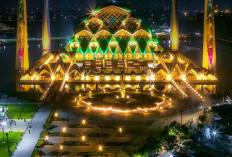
column 190, row 48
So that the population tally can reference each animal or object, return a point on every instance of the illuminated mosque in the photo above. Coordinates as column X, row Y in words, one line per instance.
column 112, row 49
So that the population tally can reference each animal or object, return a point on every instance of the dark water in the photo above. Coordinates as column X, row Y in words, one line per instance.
column 190, row 48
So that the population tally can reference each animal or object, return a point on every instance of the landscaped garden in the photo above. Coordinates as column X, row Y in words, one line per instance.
column 135, row 100
column 21, row 111
column 13, row 139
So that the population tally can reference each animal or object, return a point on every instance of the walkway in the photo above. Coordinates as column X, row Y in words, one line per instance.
column 28, row 142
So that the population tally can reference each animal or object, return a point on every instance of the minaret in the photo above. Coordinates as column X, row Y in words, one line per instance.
column 22, row 62
column 174, row 36
column 46, row 41
column 209, row 45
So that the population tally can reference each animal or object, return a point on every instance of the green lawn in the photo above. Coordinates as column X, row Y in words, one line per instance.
column 13, row 138
column 21, row 111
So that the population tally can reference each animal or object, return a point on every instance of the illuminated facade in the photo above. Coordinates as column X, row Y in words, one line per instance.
column 174, row 36
column 209, row 48
column 22, row 62
column 111, row 46
column 46, row 41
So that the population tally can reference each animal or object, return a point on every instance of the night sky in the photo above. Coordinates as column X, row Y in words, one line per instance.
column 184, row 5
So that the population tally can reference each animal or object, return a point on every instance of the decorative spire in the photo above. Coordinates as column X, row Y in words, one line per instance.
column 209, row 45
column 46, row 41
column 22, row 62
column 174, row 36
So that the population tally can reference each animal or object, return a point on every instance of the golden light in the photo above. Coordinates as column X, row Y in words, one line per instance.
column 56, row 114
column 46, row 137
column 152, row 77
column 83, row 138
column 79, row 95
column 66, row 77
column 107, row 78
column 183, row 77
column 83, row 121
column 117, row 78
column 138, row 78
column 96, row 78
column 61, row 147
column 120, row 130
column 64, row 129
column 128, row 97
column 169, row 77
column 78, row 103
column 100, row 148
column 53, row 77
column 128, row 78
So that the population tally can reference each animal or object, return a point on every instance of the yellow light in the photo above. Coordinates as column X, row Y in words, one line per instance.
column 183, row 77
column 61, row 147
column 138, row 78
column 53, row 77
column 169, row 77
column 120, row 130
column 66, row 77
column 128, row 78
column 83, row 122
column 87, row 78
column 56, row 114
column 117, row 78
column 152, row 77
column 64, row 129
column 107, row 78
column 100, row 148
column 46, row 137
column 96, row 78
column 83, row 138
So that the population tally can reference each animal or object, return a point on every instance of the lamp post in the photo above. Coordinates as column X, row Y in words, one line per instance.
column 100, row 149
column 3, row 127
column 83, row 122
column 8, row 148
column 61, row 149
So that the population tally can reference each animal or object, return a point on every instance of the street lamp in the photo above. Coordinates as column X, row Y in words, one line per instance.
column 56, row 114
column 3, row 124
column 61, row 149
column 100, row 148
column 46, row 137
column 83, row 138
column 83, row 122
column 64, row 129
column 120, row 130
column 7, row 142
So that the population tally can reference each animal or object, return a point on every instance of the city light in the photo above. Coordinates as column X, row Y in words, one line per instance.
column 46, row 137
column 83, row 138
column 83, row 122
column 64, row 129
column 100, row 148
column 56, row 114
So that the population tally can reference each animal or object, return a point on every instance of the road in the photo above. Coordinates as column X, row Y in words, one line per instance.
column 28, row 142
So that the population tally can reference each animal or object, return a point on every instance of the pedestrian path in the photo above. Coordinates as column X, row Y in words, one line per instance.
column 28, row 142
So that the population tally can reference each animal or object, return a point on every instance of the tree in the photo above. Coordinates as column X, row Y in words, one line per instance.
column 202, row 118
column 173, row 135
column 151, row 145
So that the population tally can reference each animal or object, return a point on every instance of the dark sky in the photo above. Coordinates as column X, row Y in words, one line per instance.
column 184, row 5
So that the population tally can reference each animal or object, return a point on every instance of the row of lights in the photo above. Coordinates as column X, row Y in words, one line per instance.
column 83, row 137
column 138, row 109
column 195, row 92
column 46, row 92
column 179, row 89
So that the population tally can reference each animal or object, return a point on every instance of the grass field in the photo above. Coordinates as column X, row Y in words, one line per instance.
column 13, row 137
column 21, row 111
